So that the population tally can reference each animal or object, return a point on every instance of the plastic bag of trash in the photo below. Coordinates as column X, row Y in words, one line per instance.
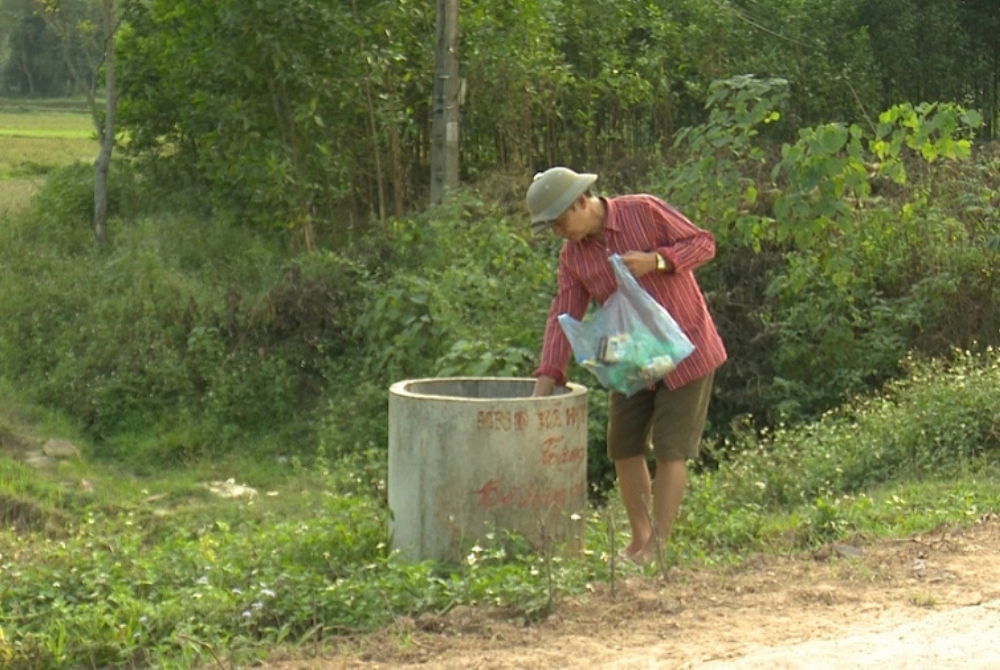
column 631, row 341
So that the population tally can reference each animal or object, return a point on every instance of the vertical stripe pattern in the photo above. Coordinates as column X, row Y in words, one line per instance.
column 638, row 222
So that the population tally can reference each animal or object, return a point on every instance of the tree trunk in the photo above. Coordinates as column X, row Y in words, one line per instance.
column 25, row 62
column 51, row 14
column 447, row 87
column 396, row 151
column 30, row 77
column 993, row 110
column 102, row 165
column 372, row 122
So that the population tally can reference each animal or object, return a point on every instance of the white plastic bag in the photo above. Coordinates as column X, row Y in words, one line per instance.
column 631, row 341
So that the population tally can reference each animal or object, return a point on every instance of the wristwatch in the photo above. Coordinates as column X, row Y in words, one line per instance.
column 661, row 263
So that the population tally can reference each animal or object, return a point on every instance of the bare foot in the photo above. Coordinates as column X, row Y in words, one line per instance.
column 647, row 554
column 635, row 547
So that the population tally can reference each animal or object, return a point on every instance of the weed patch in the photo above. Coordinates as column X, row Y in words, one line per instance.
column 16, row 195
column 20, row 515
column 29, row 156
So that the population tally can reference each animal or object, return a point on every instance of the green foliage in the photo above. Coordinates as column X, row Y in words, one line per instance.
column 215, row 332
column 854, row 470
column 316, row 116
column 834, row 260
column 211, row 333
column 512, row 68
column 203, row 334
column 265, row 100
column 716, row 180
column 932, row 130
column 142, row 334
column 938, row 46
column 119, row 601
column 918, row 280
column 145, row 585
column 70, row 192
column 827, row 169
column 938, row 419
column 324, row 119
column 35, row 59
column 600, row 468
column 858, row 256
column 878, row 274
column 467, row 295
column 858, row 243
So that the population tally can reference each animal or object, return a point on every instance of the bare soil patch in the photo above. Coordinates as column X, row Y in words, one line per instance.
column 927, row 601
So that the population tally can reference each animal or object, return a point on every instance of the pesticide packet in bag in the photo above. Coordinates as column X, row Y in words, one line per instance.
column 631, row 341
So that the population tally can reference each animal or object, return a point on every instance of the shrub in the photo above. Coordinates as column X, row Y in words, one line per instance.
column 464, row 293
column 939, row 419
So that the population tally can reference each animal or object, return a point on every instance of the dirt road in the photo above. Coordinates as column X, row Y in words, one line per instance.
column 927, row 602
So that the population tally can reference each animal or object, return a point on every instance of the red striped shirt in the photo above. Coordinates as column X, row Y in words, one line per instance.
column 638, row 223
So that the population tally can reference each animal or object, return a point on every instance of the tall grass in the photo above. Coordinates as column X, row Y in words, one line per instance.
column 141, row 336
column 16, row 194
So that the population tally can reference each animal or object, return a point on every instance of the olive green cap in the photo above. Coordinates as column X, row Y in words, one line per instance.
column 552, row 192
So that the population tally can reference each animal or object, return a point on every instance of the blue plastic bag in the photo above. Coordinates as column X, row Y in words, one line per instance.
column 631, row 341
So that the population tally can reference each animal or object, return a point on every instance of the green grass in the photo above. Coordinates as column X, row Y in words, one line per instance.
column 16, row 194
column 136, row 568
column 47, row 133
column 27, row 105
column 42, row 154
column 901, row 509
column 46, row 124
column 35, row 142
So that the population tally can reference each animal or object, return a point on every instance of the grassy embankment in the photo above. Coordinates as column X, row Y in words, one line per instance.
column 103, row 567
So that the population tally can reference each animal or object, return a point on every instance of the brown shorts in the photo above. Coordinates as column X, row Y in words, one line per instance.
column 672, row 421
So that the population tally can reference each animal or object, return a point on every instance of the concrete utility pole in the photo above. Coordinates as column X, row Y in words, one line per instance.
column 447, row 88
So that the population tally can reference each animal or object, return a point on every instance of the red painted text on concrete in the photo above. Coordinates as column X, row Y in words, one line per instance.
column 501, row 420
column 496, row 493
column 576, row 416
column 555, row 452
column 550, row 418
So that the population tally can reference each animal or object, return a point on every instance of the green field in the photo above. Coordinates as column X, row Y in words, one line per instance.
column 31, row 156
column 78, row 105
column 47, row 133
column 46, row 123
column 36, row 139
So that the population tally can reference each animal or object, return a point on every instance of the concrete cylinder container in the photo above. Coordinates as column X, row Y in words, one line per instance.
column 469, row 456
